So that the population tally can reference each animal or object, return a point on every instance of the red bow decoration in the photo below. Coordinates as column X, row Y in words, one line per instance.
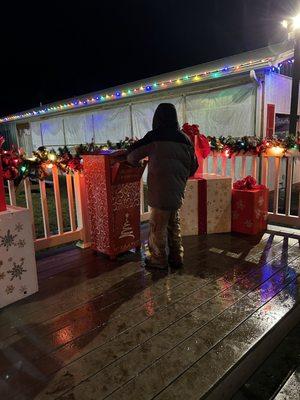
column 191, row 130
column 202, row 145
column 248, row 183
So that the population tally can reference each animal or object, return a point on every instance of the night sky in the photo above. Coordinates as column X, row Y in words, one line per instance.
column 51, row 51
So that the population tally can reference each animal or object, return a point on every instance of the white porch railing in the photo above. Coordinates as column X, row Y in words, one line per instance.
column 77, row 229
column 281, row 175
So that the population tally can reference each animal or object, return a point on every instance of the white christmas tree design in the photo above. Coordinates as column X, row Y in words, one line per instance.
column 127, row 229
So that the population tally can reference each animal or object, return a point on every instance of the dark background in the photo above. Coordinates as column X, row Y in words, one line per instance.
column 51, row 51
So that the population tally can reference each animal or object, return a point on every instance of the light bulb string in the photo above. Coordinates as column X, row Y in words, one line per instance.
column 82, row 102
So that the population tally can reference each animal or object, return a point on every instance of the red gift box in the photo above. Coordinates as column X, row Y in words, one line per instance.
column 113, row 190
column 249, row 210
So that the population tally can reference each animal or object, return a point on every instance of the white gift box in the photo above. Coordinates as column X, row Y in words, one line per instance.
column 207, row 205
column 18, row 274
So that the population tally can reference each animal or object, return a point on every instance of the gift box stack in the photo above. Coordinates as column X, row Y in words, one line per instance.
column 18, row 275
column 249, row 206
column 207, row 205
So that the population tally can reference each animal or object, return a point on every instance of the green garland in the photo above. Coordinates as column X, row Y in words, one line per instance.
column 251, row 144
column 16, row 166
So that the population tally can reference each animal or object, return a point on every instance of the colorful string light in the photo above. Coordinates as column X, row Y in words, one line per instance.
column 147, row 88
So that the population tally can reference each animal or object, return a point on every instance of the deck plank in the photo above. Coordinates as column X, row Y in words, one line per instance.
column 89, row 360
column 199, row 379
column 184, row 337
column 97, row 321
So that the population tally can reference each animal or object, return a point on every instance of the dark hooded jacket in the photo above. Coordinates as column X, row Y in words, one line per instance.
column 171, row 159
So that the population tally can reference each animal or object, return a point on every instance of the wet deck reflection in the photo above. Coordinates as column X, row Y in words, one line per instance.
column 100, row 329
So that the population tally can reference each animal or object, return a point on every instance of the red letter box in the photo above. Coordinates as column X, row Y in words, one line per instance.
column 113, row 191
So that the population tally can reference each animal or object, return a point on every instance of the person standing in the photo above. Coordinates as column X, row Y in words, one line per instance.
column 171, row 161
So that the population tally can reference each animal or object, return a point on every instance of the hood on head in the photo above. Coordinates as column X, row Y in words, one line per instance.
column 165, row 116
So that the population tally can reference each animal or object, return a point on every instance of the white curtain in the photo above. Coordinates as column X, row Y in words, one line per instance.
column 112, row 124
column 225, row 112
column 78, row 129
column 35, row 130
column 142, row 114
column 52, row 131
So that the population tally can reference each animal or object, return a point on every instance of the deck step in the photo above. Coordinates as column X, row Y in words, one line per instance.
column 291, row 389
column 232, row 380
column 272, row 375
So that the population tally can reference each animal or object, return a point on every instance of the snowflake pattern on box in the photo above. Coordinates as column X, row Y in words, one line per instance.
column 218, row 204
column 7, row 240
column 17, row 270
column 21, row 243
column 9, row 289
column 19, row 227
column 18, row 277
column 254, row 214
column 188, row 212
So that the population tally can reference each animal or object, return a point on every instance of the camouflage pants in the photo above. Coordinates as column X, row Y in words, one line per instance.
column 165, row 232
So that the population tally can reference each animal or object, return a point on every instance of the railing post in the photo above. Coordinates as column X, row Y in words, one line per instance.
column 27, row 189
column 45, row 212
column 254, row 167
column 243, row 167
column 224, row 165
column 215, row 163
column 12, row 193
column 59, row 217
column 276, row 185
column 288, row 185
column 265, row 170
column 232, row 172
column 82, row 210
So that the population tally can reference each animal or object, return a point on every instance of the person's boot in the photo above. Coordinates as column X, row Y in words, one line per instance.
column 175, row 262
column 150, row 263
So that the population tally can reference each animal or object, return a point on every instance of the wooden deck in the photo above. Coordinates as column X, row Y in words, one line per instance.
column 100, row 329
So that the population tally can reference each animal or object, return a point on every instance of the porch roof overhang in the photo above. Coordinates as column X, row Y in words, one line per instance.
column 233, row 69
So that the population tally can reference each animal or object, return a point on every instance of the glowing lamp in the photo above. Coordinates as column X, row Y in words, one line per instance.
column 296, row 22
column 275, row 151
column 227, row 153
column 52, row 157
